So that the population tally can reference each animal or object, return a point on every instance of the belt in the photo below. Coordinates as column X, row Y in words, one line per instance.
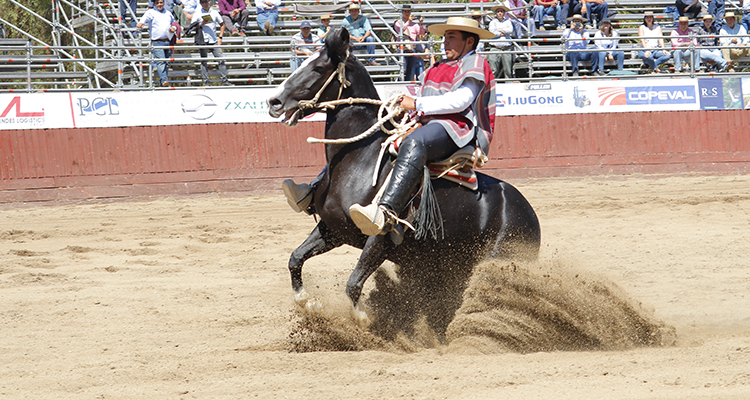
column 160, row 40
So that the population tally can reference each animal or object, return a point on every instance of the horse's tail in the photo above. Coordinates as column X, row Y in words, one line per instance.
column 428, row 220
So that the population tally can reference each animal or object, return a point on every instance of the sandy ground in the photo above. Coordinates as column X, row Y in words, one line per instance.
column 171, row 298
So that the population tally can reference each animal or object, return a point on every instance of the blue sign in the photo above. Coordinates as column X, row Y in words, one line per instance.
column 645, row 95
column 711, row 94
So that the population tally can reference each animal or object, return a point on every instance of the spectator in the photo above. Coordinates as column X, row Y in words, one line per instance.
column 325, row 26
column 565, row 9
column 607, row 45
column 709, row 29
column 160, row 31
column 188, row 9
column 680, row 38
column 522, row 25
column 409, row 28
column 208, row 20
column 268, row 14
column 716, row 8
column 128, row 9
column 746, row 15
column 578, row 39
column 736, row 46
column 652, row 43
column 305, row 36
column 597, row 7
column 688, row 8
column 542, row 8
column 476, row 15
column 175, row 7
column 232, row 12
column 360, row 30
column 499, row 58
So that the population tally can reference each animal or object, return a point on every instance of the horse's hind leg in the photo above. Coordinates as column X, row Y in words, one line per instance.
column 321, row 240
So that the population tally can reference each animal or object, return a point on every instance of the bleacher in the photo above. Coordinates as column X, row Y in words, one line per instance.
column 124, row 60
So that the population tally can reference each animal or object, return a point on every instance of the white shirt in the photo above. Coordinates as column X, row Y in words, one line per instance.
column 209, row 29
column 609, row 42
column 159, row 23
column 190, row 6
column 451, row 102
column 501, row 40
column 737, row 30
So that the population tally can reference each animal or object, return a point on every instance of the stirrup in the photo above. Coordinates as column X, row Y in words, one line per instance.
column 299, row 197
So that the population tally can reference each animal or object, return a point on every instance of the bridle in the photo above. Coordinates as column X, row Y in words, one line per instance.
column 339, row 72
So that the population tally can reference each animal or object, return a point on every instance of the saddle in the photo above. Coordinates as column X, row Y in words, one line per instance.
column 458, row 168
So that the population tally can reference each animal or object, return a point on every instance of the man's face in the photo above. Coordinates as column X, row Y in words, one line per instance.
column 406, row 14
column 500, row 14
column 683, row 25
column 204, row 4
column 305, row 31
column 455, row 45
column 159, row 4
column 730, row 22
column 354, row 12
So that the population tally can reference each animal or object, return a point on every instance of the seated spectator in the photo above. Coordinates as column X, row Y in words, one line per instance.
column 746, row 15
column 209, row 19
column 736, row 46
column 545, row 7
column 188, row 8
column 409, row 30
column 522, row 24
column 305, row 36
column 360, row 30
column 681, row 45
column 175, row 6
column 714, row 55
column 607, row 45
column 654, row 52
column 233, row 12
column 688, row 8
column 578, row 39
column 499, row 58
column 268, row 15
column 325, row 26
column 597, row 8
column 716, row 8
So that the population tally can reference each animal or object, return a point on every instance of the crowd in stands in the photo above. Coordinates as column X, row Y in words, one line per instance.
column 587, row 33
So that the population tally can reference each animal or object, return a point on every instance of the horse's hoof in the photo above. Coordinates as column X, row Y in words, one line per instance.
column 361, row 318
column 306, row 302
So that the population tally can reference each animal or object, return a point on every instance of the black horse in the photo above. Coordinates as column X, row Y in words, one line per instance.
column 494, row 221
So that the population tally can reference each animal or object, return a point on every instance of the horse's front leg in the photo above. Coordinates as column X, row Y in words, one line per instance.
column 321, row 240
column 373, row 255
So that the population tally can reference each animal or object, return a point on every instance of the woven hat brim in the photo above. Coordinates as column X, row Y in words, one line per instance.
column 439, row 29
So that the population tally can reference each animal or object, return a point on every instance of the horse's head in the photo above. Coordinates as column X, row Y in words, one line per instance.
column 318, row 79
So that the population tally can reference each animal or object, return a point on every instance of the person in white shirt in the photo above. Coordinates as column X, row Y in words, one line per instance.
column 652, row 53
column 736, row 46
column 161, row 30
column 209, row 20
column 500, row 58
column 268, row 14
column 578, row 39
column 606, row 41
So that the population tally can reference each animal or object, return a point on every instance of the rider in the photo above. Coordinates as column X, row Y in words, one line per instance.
column 457, row 108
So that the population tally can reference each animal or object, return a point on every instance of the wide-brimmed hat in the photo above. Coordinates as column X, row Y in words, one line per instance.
column 354, row 6
column 500, row 7
column 729, row 14
column 648, row 14
column 327, row 16
column 577, row 16
column 406, row 7
column 683, row 19
column 708, row 16
column 460, row 24
column 605, row 21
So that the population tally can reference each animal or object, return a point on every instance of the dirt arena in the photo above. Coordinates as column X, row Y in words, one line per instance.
column 181, row 298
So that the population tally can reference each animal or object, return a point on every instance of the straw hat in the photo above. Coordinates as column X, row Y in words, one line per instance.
column 708, row 16
column 460, row 24
column 500, row 7
column 354, row 6
column 577, row 16
column 327, row 16
column 729, row 14
column 683, row 19
column 648, row 14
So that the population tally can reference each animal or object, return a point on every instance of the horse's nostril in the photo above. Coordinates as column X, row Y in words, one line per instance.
column 274, row 103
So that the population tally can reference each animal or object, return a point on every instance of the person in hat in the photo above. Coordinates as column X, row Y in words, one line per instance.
column 268, row 15
column 711, row 38
column 597, row 8
column 680, row 39
column 325, row 26
column 654, row 52
column 302, row 44
column 360, row 30
column 456, row 109
column 735, row 47
column 499, row 58
column 578, row 39
column 542, row 8
column 688, row 8
column 606, row 42
column 408, row 30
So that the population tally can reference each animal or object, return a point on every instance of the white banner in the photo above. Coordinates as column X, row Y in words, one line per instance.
column 49, row 110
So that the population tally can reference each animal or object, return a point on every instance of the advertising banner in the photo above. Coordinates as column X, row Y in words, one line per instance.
column 54, row 110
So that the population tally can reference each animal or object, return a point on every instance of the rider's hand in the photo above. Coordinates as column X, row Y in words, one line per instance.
column 408, row 103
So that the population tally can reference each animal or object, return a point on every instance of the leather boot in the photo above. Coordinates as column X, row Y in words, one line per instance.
column 299, row 197
column 408, row 171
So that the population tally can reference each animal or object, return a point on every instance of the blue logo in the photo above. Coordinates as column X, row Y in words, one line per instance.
column 711, row 94
column 644, row 95
column 98, row 106
column 550, row 100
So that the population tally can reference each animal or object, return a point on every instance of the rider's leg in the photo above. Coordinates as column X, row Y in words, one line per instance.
column 428, row 143
column 300, row 197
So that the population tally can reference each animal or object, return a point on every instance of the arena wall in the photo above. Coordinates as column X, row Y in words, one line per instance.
column 81, row 163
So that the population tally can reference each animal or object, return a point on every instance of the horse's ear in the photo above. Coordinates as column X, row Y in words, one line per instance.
column 338, row 44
